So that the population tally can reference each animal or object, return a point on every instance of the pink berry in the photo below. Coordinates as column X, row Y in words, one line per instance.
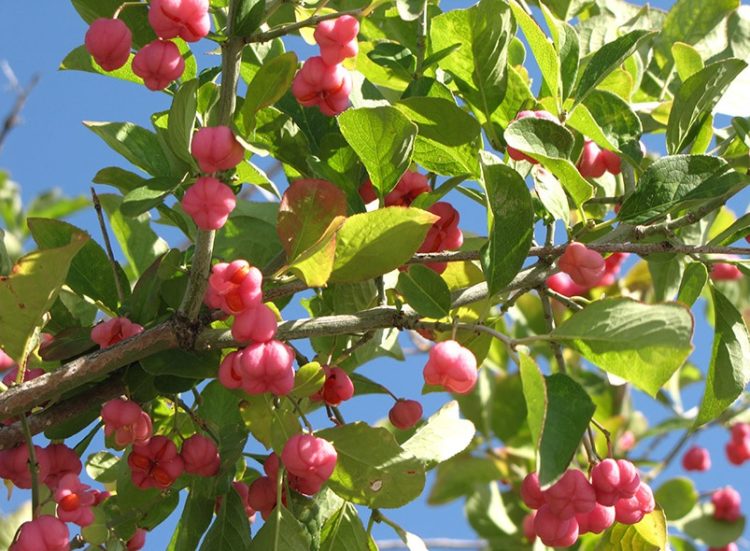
column 337, row 39
column 256, row 324
column 563, row 284
column 209, row 203
column 514, row 153
column 571, row 495
column 696, row 459
column 405, row 414
column 6, row 362
column 244, row 492
column 723, row 271
column 109, row 42
column 158, row 63
column 267, row 367
column 411, row 185
column 9, row 379
column 591, row 165
column 14, row 465
column 234, row 287
column 324, row 86
column 309, row 457
column 726, row 503
column 61, row 461
column 555, row 531
column 740, row 431
column 45, row 533
column 230, row 374
column 308, row 485
column 597, row 520
column 200, row 456
column 187, row 19
column 531, row 492
column 156, row 464
column 611, row 161
column 138, row 541
column 631, row 510
column 614, row 480
column 443, row 235
column 451, row 366
column 612, row 266
column 114, row 330
column 337, row 388
column 738, row 452
column 216, row 148
column 728, row 547
column 262, row 495
column 626, row 442
column 74, row 501
column 127, row 422
column 584, row 266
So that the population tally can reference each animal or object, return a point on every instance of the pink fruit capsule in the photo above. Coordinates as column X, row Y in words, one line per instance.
column 109, row 42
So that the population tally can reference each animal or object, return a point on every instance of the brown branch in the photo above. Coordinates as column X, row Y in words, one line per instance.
column 283, row 30
column 14, row 117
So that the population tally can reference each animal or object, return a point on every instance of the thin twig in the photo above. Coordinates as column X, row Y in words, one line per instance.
column 14, row 117
column 549, row 318
column 288, row 28
column 33, row 467
column 108, row 246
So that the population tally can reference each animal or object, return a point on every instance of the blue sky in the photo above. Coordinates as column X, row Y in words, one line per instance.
column 51, row 148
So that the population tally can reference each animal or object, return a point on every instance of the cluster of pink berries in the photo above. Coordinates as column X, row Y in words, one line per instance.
column 738, row 448
column 209, row 201
column 582, row 269
column 158, row 63
column 154, row 461
column 574, row 506
column 309, row 462
column 444, row 235
column 323, row 81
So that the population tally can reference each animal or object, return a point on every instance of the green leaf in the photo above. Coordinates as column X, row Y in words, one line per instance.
column 278, row 134
column 344, row 530
column 269, row 84
column 687, row 60
column 696, row 98
column 90, row 271
column 444, row 435
column 739, row 229
column 149, row 196
column 409, row 10
column 565, row 38
column 281, row 533
column 693, row 281
column 271, row 426
column 425, row 291
column 550, row 144
column 139, row 243
column 487, row 514
column 231, row 529
column 383, row 139
column 642, row 343
column 703, row 527
column 607, row 59
column 182, row 120
column 691, row 20
column 372, row 469
column 480, row 64
column 507, row 411
column 448, row 141
column 511, row 223
column 729, row 371
column 374, row 243
column 249, row 17
column 612, row 123
column 677, row 497
column 196, row 517
column 543, row 50
column 650, row 534
column 102, row 467
column 136, row 144
column 535, row 395
column 395, row 56
column 567, row 415
column 250, row 238
column 30, row 291
column 671, row 181
column 79, row 59
column 308, row 379
column 460, row 475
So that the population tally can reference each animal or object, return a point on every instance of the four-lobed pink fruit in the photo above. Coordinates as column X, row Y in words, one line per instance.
column 310, row 458
column 109, row 42
column 571, row 495
column 597, row 520
column 696, row 459
column 631, row 510
column 126, row 422
column 137, row 541
column 256, row 324
column 451, row 366
column 724, row 271
column 594, row 161
column 188, row 19
column 411, row 185
column 114, row 330
column 234, row 287
column 614, row 480
column 337, row 388
column 258, row 368
column 156, row 464
column 584, row 266
column 337, row 39
column 200, row 456
column 209, row 203
column 216, row 148
column 158, row 63
column 44, row 533
column 322, row 85
column 75, row 500
column 405, row 414
column 726, row 502
column 443, row 235
column 553, row 530
column 738, row 448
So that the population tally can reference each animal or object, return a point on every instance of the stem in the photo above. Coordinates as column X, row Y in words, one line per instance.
column 296, row 407
column 422, row 30
column 656, row 471
column 549, row 318
column 568, row 302
column 370, row 523
column 204, row 242
column 33, row 467
column 197, row 420
column 285, row 29
column 279, row 505
column 108, row 245
column 125, row 5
